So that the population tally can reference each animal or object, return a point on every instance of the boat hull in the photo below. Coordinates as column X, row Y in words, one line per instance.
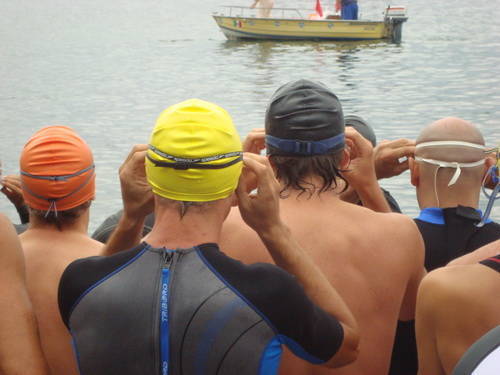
column 301, row 29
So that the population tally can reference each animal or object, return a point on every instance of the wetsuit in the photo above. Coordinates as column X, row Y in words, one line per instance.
column 448, row 234
column 452, row 232
column 493, row 262
column 191, row 311
column 391, row 201
column 103, row 232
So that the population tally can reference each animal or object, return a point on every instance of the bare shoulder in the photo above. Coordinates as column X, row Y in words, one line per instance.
column 454, row 284
column 239, row 241
column 397, row 228
column 10, row 247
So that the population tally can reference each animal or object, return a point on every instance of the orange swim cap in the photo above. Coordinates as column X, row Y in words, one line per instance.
column 57, row 170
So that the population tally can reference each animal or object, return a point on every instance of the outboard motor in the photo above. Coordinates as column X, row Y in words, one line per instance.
column 395, row 15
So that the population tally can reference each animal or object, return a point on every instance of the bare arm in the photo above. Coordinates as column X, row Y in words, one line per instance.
column 137, row 203
column 391, row 157
column 20, row 350
column 361, row 173
column 11, row 188
column 261, row 213
column 478, row 255
column 429, row 362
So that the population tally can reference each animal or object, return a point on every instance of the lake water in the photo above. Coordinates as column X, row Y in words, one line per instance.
column 109, row 68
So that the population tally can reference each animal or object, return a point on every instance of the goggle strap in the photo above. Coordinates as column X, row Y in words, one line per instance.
column 450, row 143
column 182, row 165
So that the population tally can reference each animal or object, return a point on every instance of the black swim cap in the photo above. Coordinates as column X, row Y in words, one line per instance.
column 305, row 118
column 362, row 127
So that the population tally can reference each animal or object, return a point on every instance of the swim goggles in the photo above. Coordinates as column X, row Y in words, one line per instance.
column 193, row 163
column 452, row 164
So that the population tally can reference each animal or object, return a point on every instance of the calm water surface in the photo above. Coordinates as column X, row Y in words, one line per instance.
column 109, row 68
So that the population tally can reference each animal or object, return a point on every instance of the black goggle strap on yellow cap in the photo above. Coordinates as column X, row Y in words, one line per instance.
column 194, row 163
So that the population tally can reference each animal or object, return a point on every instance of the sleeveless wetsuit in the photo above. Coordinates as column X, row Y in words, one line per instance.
column 153, row 311
column 452, row 232
column 448, row 234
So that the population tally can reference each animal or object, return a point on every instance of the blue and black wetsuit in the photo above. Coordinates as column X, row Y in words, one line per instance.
column 152, row 311
column 448, row 233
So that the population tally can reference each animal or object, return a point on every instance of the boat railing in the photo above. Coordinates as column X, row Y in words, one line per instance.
column 241, row 11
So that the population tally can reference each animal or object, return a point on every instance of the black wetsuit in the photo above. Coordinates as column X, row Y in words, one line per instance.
column 448, row 234
column 493, row 262
column 103, row 232
column 153, row 311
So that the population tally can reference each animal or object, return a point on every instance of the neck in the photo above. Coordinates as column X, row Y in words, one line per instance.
column 173, row 232
column 448, row 197
column 313, row 190
column 78, row 225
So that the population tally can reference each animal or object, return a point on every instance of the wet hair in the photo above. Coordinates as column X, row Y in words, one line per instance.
column 292, row 172
column 62, row 218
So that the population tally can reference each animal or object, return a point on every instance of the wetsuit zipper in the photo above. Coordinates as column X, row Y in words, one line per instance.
column 167, row 256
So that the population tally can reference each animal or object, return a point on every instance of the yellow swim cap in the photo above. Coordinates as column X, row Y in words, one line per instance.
column 194, row 153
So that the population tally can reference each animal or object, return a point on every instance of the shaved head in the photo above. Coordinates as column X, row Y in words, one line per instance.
column 451, row 129
column 449, row 185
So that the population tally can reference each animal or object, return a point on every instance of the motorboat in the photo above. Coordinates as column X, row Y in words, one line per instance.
column 238, row 22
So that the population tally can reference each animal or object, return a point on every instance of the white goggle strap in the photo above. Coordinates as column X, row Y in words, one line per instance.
column 450, row 143
column 453, row 164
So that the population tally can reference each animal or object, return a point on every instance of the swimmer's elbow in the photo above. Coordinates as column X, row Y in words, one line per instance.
column 348, row 351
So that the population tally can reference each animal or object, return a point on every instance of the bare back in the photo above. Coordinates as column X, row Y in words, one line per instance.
column 48, row 252
column 457, row 305
column 369, row 257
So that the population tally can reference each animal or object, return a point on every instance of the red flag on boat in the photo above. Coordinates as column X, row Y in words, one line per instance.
column 318, row 8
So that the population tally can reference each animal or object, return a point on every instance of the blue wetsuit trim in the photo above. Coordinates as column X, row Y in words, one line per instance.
column 434, row 215
column 164, row 329
column 271, row 357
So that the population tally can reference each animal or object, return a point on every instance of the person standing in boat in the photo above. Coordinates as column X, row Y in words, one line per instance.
column 348, row 9
column 264, row 9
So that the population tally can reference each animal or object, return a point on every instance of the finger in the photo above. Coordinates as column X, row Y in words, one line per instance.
column 14, row 188
column 266, row 181
column 360, row 142
column 13, row 180
column 255, row 141
column 135, row 165
column 401, row 167
column 404, row 151
column 398, row 143
column 135, row 149
column 242, row 191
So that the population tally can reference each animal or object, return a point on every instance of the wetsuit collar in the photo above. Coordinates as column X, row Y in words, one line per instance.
column 434, row 215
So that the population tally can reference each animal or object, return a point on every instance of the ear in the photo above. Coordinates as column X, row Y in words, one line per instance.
column 488, row 163
column 234, row 200
column 414, row 171
column 346, row 159
column 271, row 163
